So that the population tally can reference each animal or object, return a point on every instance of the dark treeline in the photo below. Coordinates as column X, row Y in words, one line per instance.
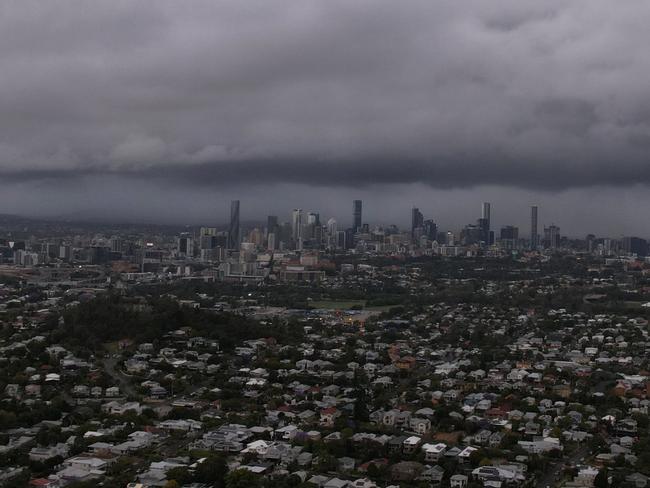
column 113, row 317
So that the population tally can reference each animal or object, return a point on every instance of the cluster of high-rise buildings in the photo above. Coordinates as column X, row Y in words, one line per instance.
column 302, row 234
column 305, row 230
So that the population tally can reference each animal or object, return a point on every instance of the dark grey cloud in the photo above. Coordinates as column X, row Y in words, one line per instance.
column 548, row 95
column 551, row 174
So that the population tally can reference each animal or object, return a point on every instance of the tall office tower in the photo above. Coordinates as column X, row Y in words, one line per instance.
column 349, row 239
column 356, row 215
column 310, row 226
column 329, row 233
column 296, row 227
column 509, row 232
column 270, row 241
column 472, row 234
column 341, row 239
column 552, row 236
column 417, row 220
column 485, row 214
column 256, row 236
column 185, row 245
column 509, row 237
column 430, row 229
column 285, row 236
column 332, row 226
column 271, row 224
column 483, row 226
column 272, row 232
column 635, row 245
column 485, row 223
column 533, row 227
column 233, row 228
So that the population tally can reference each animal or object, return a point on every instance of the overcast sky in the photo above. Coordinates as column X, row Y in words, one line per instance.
column 164, row 111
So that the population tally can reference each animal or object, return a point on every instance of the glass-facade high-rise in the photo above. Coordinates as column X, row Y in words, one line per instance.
column 233, row 228
column 356, row 215
column 533, row 227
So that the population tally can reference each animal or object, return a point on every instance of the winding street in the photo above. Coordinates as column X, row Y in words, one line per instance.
column 110, row 366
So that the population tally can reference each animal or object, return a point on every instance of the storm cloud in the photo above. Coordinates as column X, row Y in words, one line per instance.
column 547, row 95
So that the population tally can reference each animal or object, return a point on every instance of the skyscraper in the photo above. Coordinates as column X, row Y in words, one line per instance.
column 312, row 228
column 509, row 237
column 296, row 227
column 207, row 239
column 417, row 220
column 533, row 227
column 483, row 226
column 356, row 215
column 430, row 229
column 185, row 246
column 485, row 214
column 271, row 244
column 509, row 232
column 271, row 224
column 272, row 232
column 486, row 224
column 635, row 245
column 233, row 228
column 552, row 236
column 331, row 233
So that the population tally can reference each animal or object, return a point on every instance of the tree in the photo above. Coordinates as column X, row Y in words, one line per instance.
column 46, row 436
column 601, row 479
column 242, row 478
column 213, row 471
column 179, row 474
column 476, row 457
column 361, row 412
column 373, row 471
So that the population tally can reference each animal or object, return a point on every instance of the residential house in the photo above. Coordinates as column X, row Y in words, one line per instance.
column 433, row 452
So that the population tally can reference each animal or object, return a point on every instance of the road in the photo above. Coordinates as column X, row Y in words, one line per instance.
column 553, row 473
column 126, row 388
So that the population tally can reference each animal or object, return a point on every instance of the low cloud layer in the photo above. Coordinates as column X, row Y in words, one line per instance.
column 539, row 95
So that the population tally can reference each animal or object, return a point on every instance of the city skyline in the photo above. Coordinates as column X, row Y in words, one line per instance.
column 227, row 215
column 418, row 220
